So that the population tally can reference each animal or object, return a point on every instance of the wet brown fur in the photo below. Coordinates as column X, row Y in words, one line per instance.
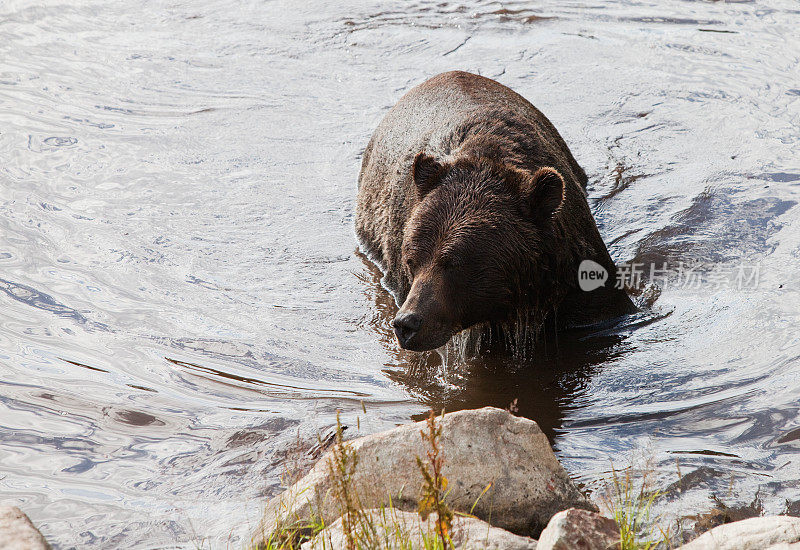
column 477, row 230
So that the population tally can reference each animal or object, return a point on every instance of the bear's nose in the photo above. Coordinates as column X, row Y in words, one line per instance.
column 406, row 325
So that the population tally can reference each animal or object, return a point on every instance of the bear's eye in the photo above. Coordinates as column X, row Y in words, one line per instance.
column 447, row 264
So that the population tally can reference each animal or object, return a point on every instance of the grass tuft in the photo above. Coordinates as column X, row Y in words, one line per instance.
column 434, row 485
column 629, row 500
column 342, row 466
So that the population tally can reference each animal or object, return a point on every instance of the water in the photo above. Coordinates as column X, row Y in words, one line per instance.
column 182, row 299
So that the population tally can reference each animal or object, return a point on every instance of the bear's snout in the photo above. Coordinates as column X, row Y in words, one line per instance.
column 423, row 322
column 406, row 326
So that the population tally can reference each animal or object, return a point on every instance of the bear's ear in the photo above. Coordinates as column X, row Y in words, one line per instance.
column 427, row 173
column 545, row 193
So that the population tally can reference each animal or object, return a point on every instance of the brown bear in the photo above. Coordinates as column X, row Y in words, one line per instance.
column 475, row 210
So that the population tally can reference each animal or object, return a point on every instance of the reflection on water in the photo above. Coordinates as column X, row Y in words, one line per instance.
column 541, row 385
column 182, row 310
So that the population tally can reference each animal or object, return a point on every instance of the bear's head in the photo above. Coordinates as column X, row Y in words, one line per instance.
column 474, row 246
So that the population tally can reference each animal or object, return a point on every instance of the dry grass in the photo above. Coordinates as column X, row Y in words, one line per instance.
column 434, row 486
column 368, row 531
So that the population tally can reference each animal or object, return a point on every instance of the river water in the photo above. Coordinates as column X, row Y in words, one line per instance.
column 183, row 306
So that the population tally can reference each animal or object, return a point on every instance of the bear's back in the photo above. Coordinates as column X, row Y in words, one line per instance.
column 430, row 114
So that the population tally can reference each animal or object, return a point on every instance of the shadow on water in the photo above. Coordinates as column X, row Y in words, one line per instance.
column 542, row 386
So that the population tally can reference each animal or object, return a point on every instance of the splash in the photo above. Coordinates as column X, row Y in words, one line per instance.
column 518, row 337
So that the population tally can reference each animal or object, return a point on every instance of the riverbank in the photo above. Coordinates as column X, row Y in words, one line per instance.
column 478, row 479
column 469, row 480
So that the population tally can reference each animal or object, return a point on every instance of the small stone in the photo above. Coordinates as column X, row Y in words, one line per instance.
column 17, row 532
column 575, row 529
column 750, row 534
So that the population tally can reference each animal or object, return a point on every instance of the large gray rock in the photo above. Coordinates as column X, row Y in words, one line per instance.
column 750, row 534
column 579, row 530
column 17, row 532
column 390, row 530
column 479, row 447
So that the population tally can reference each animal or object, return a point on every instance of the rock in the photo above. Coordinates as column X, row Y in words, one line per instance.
column 750, row 534
column 17, row 532
column 400, row 530
column 575, row 529
column 479, row 446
